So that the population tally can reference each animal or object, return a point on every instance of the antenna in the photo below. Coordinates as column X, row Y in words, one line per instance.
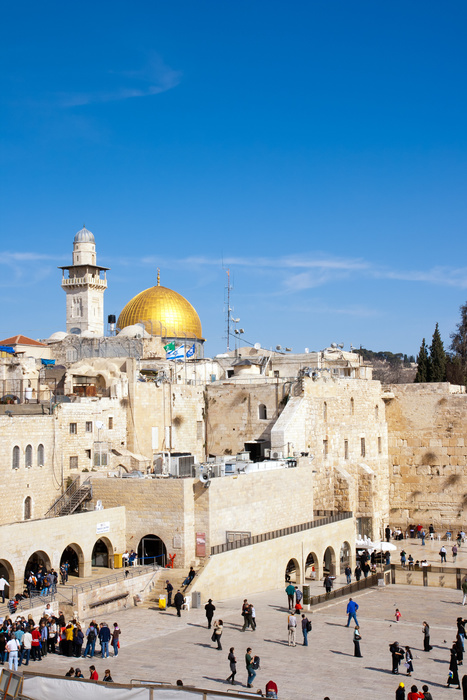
column 228, row 310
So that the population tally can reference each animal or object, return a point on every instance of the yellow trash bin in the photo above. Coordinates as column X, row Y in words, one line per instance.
column 118, row 563
column 162, row 602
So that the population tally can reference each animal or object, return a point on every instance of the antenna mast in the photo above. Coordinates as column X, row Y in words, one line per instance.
column 228, row 288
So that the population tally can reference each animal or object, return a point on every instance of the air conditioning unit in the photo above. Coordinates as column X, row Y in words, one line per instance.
column 275, row 454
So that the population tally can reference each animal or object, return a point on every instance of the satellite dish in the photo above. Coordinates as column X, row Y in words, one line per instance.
column 257, row 346
column 158, row 382
column 334, row 345
column 99, row 424
column 278, row 347
column 307, row 350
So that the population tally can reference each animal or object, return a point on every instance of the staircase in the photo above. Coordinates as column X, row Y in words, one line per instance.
column 71, row 500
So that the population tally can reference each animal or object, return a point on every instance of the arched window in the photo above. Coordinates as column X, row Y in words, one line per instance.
column 40, row 455
column 16, row 456
column 28, row 456
column 27, row 508
column 352, row 406
column 325, row 411
column 262, row 412
column 376, row 412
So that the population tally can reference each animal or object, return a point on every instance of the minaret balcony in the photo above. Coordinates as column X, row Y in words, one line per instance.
column 96, row 282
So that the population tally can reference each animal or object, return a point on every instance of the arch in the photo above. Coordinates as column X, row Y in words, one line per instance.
column 38, row 560
column 28, row 456
column 74, row 555
column 262, row 412
column 312, row 567
column 152, row 550
column 329, row 561
column 8, row 573
column 102, row 553
column 27, row 508
column 40, row 455
column 344, row 556
column 325, row 411
column 16, row 457
column 292, row 571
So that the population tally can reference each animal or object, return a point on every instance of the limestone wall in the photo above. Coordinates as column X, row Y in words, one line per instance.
column 428, row 455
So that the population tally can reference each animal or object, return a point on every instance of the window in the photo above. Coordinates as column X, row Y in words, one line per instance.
column 101, row 459
column 28, row 456
column 380, row 445
column 262, row 412
column 73, row 428
column 376, row 412
column 325, row 411
column 362, row 446
column 199, row 430
column 111, row 422
column 346, row 449
column 325, row 449
column 16, row 456
column 89, row 426
column 73, row 462
column 27, row 508
column 352, row 406
column 88, row 454
column 276, row 373
column 40, row 456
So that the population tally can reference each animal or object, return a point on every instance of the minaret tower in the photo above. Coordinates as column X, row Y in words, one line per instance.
column 84, row 288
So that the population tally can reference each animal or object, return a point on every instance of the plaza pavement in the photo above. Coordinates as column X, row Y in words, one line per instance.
column 159, row 646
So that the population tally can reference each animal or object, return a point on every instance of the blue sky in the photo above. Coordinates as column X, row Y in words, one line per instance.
column 318, row 149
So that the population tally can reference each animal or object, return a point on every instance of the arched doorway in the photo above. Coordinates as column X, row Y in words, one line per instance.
column 292, row 571
column 6, row 572
column 312, row 567
column 38, row 562
column 152, row 550
column 73, row 554
column 329, row 561
column 344, row 557
column 100, row 554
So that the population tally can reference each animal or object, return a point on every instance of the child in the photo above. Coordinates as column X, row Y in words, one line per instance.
column 398, row 615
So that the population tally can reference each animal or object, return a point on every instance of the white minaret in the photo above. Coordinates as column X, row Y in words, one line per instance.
column 84, row 288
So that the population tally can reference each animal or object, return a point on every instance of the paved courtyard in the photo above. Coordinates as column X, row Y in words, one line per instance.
column 159, row 646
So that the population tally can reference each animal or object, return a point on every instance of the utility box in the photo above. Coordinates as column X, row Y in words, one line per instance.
column 196, row 599
column 306, row 594
column 118, row 561
column 162, row 602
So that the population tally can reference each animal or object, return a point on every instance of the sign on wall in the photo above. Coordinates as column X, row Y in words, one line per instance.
column 200, row 544
column 102, row 527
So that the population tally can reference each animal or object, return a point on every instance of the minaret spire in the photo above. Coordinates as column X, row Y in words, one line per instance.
column 158, row 277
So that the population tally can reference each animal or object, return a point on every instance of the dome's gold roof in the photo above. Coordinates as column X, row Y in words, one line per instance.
column 163, row 312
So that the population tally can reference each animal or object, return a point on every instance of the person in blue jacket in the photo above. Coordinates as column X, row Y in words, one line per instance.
column 352, row 608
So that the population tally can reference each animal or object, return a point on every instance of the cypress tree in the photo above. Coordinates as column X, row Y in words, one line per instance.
column 459, row 348
column 437, row 367
column 423, row 364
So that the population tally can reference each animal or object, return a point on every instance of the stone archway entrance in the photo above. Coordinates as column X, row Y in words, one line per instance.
column 7, row 572
column 152, row 550
column 344, row 557
column 101, row 556
column 73, row 554
column 329, row 561
column 312, row 567
column 292, row 571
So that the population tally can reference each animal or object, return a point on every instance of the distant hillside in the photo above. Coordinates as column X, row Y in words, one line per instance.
column 389, row 367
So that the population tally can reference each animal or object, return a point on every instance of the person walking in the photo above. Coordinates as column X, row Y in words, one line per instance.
column 348, row 574
column 249, row 667
column 306, row 627
column 292, row 628
column 426, row 637
column 179, row 599
column 233, row 666
column 3, row 583
column 290, row 590
column 218, row 628
column 169, row 588
column 352, row 608
column 453, row 678
column 396, row 655
column 454, row 553
column 327, row 584
column 115, row 640
column 245, row 614
column 12, row 647
column 442, row 554
column 209, row 608
column 298, row 595
column 408, row 660
column 356, row 642
column 387, row 532
column 403, row 556
column 461, row 629
column 358, row 573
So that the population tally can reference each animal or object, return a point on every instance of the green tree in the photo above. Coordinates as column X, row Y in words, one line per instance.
column 458, row 360
column 423, row 364
column 437, row 367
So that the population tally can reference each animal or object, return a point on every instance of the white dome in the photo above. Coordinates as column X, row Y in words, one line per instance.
column 58, row 335
column 89, row 334
column 84, row 236
column 134, row 331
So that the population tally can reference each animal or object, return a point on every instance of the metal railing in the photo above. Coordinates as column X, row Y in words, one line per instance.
column 283, row 532
column 66, row 498
column 348, row 589
column 128, row 572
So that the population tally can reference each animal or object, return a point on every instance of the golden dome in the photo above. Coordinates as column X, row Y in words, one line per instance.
column 163, row 312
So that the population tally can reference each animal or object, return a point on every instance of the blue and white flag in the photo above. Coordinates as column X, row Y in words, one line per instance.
column 177, row 354
column 191, row 351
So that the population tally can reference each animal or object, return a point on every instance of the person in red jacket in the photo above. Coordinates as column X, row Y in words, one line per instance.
column 36, row 644
column 94, row 675
column 271, row 689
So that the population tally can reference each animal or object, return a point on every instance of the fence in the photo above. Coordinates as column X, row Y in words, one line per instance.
column 283, row 532
column 437, row 576
column 348, row 589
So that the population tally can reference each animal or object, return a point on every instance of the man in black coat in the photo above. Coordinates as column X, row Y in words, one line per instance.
column 397, row 656
column 178, row 602
column 209, row 607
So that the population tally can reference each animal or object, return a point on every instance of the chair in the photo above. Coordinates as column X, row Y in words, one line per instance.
column 187, row 604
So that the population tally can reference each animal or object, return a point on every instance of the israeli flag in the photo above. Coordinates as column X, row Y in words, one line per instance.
column 191, row 351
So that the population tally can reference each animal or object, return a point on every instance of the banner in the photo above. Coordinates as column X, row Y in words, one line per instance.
column 169, row 347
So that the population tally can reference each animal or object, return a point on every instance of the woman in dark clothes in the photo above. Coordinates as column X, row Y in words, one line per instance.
column 453, row 678
column 459, row 649
column 426, row 637
column 356, row 642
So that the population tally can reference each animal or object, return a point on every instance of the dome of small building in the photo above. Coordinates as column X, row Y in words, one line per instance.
column 163, row 312
column 134, row 331
column 57, row 336
column 84, row 236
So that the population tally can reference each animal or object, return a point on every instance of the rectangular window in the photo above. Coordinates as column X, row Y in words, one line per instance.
column 276, row 373
column 73, row 428
column 380, row 446
column 346, row 449
column 73, row 462
column 101, row 459
column 111, row 423
column 89, row 426
column 199, row 430
column 325, row 449
column 362, row 446
column 88, row 454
